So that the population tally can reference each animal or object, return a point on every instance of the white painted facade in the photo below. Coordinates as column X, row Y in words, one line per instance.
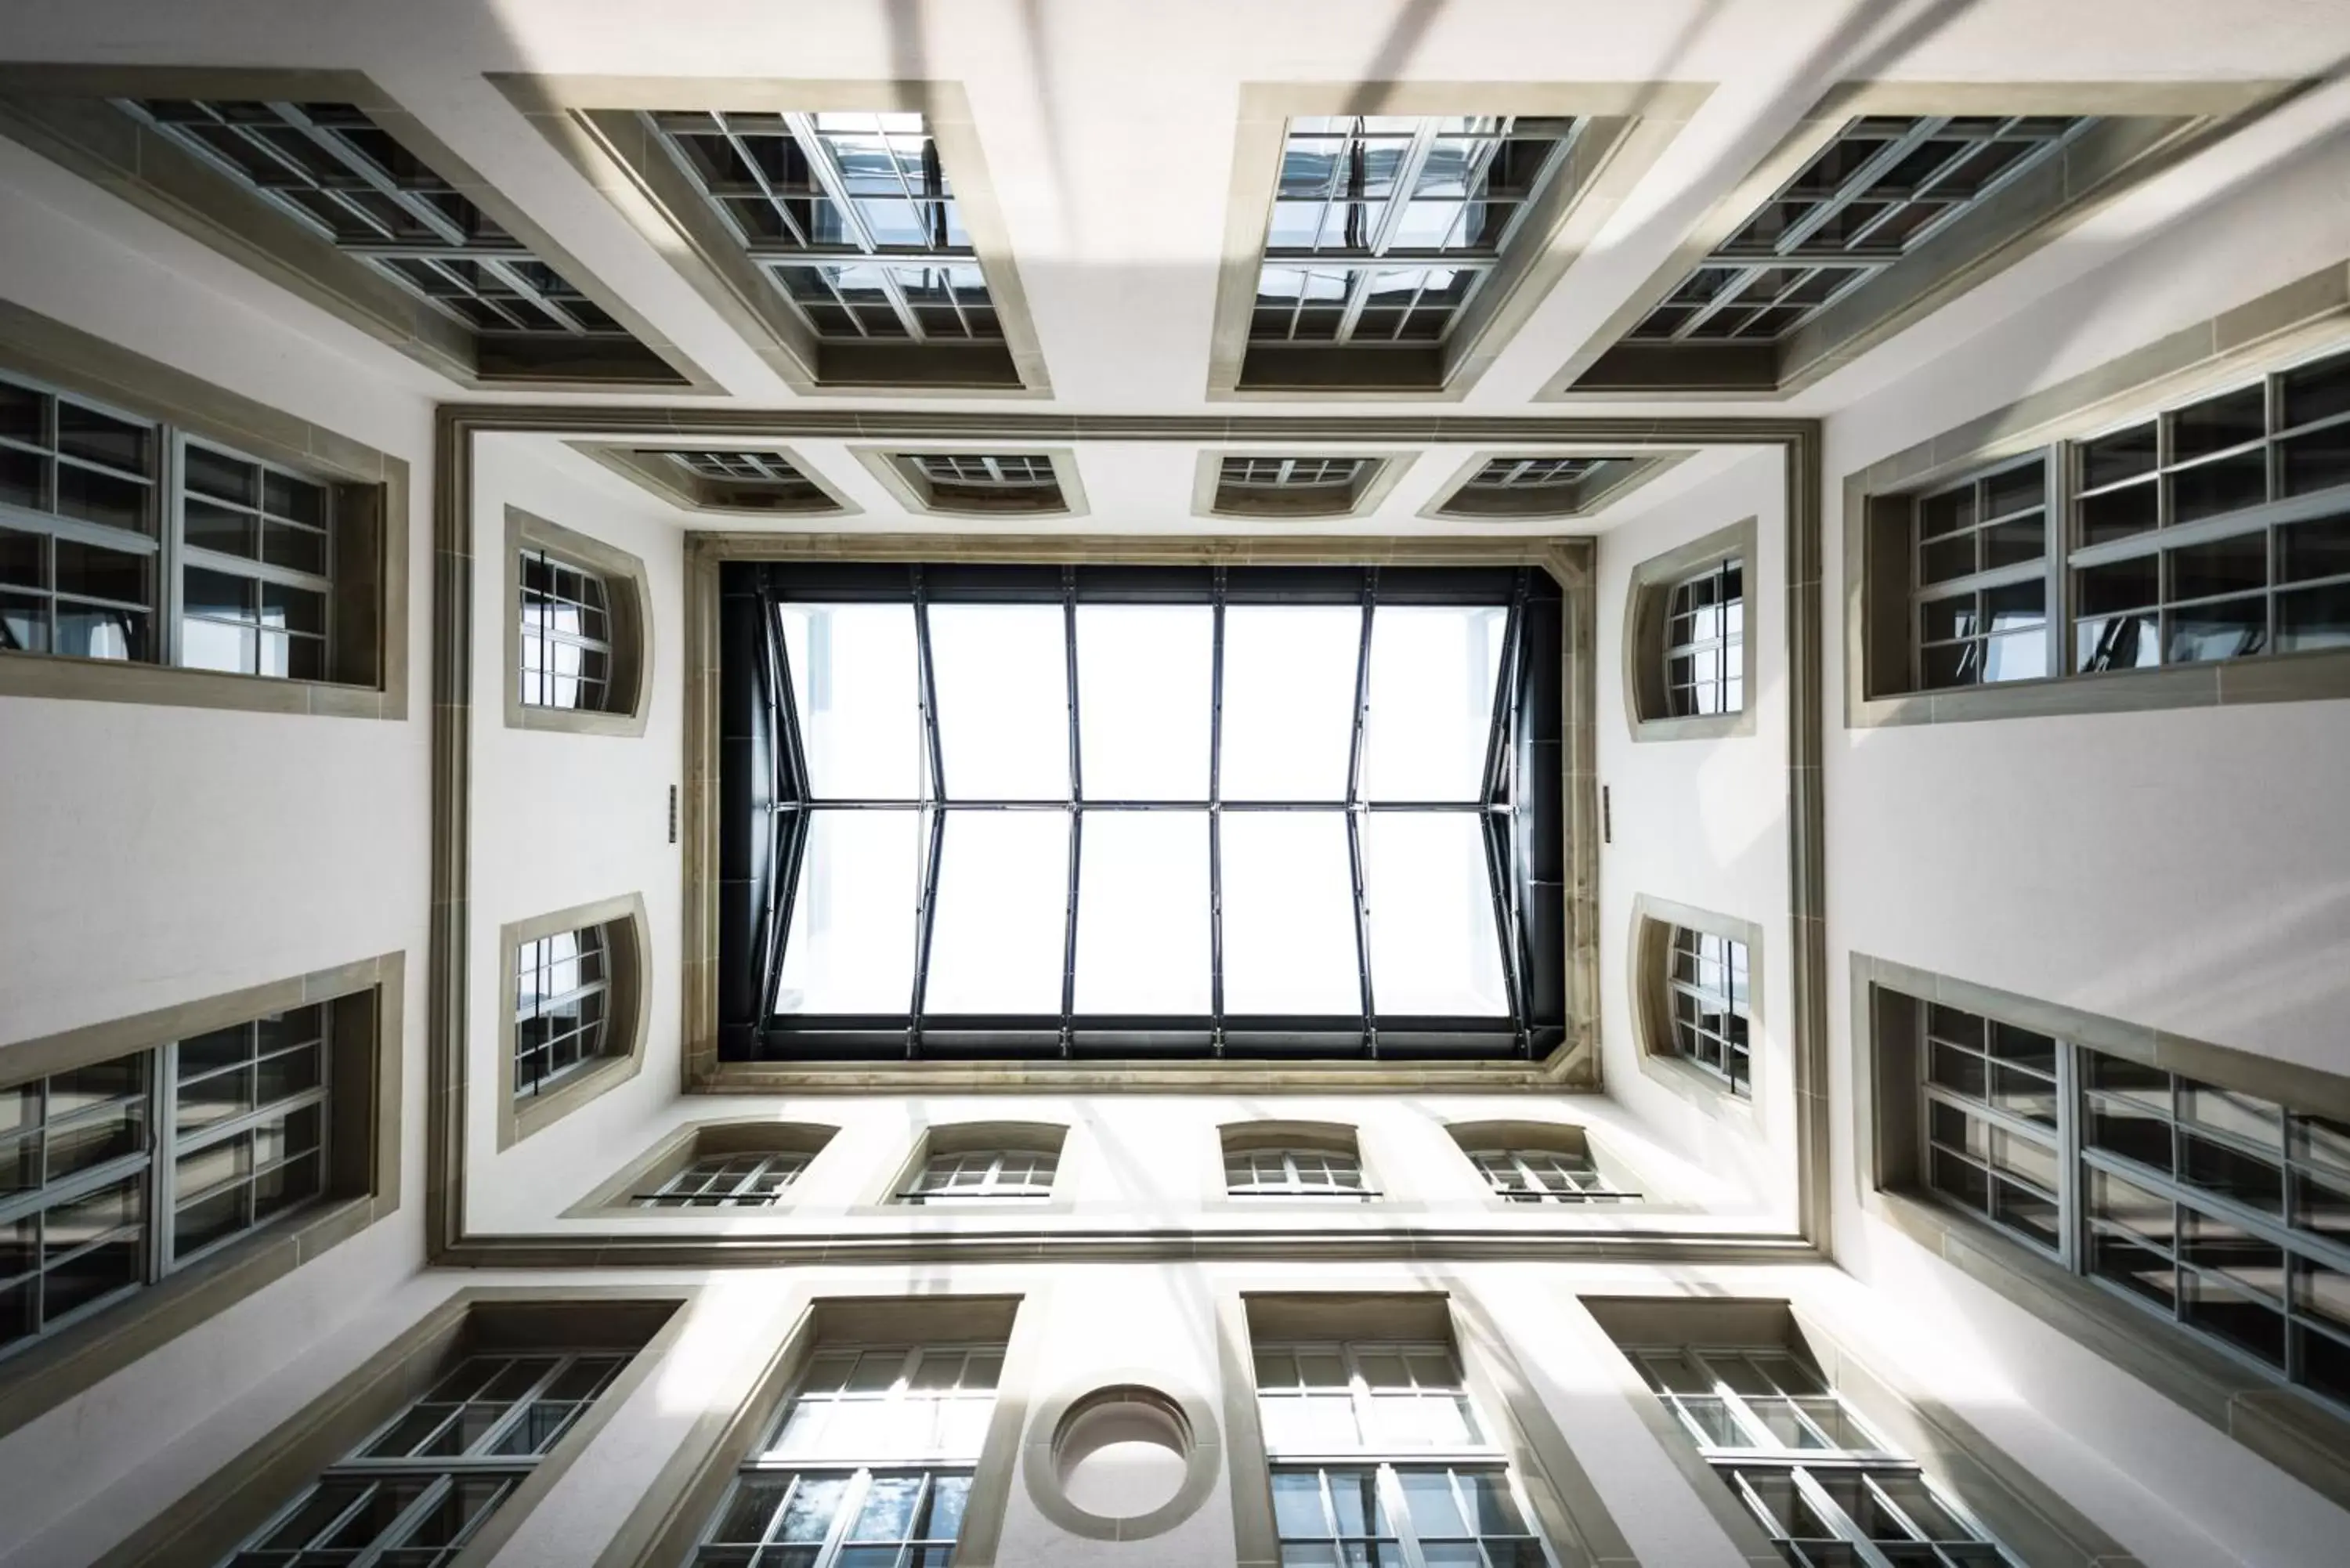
column 2183, row 869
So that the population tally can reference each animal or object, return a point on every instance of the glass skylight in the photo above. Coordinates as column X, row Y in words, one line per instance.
column 1007, row 811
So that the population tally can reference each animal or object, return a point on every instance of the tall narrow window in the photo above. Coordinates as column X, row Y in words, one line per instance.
column 984, row 1175
column 1982, row 590
column 1707, row 981
column 1294, row 1173
column 259, row 569
column 1821, row 1481
column 562, row 1006
column 567, row 635
column 2215, row 1208
column 869, row 1465
column 116, row 1175
column 726, row 1181
column 415, row 1492
column 1545, row 1175
column 1377, row 1456
column 1705, row 631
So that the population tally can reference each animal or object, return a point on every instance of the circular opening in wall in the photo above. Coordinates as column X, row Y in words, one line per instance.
column 1122, row 1452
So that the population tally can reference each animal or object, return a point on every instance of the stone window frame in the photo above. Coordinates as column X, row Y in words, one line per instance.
column 370, row 489
column 628, row 950
column 592, row 122
column 1646, row 466
column 1364, row 496
column 1653, row 923
column 629, row 600
column 1648, row 600
column 640, row 463
column 1565, row 1508
column 369, row 998
column 2148, row 126
column 1182, row 1406
column 894, row 467
column 2303, row 319
column 664, row 1528
column 702, row 1140
column 1571, row 1139
column 211, row 1520
column 1626, row 127
column 59, row 110
column 2020, row 1512
column 2287, row 1428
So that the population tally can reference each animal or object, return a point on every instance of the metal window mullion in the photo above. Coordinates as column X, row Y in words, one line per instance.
column 1354, row 816
column 379, row 180
column 1407, row 180
column 1077, row 797
column 2267, row 1227
column 1722, row 298
column 1216, row 594
column 72, row 1188
column 162, row 1145
column 759, row 175
column 2313, row 504
column 507, row 270
column 405, row 1523
column 827, row 173
column 1857, row 184
column 932, row 807
column 251, row 1120
column 259, row 571
column 1391, row 1487
column 1359, row 291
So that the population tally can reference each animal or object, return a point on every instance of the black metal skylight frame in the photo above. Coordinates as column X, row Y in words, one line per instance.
column 766, row 805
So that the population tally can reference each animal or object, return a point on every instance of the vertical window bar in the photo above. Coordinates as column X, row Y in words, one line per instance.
column 1355, row 813
column 934, row 789
column 1216, row 814
column 1077, row 812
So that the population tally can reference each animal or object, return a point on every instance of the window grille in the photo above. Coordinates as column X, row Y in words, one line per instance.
column 1545, row 1175
column 1290, row 472
column 1705, row 634
column 567, row 635
column 984, row 1175
column 562, row 1001
column 1294, row 1173
column 981, row 470
column 1707, row 982
column 727, row 1181
column 1513, row 473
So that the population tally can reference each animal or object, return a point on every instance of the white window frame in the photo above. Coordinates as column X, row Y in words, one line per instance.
column 1546, row 1176
column 1043, row 1167
column 1310, row 1173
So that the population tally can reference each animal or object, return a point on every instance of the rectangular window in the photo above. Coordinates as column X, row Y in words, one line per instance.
column 2215, row 530
column 1821, row 1481
column 1707, row 982
column 2219, row 1211
column 1545, row 1175
column 567, row 635
column 869, row 1465
column 1297, row 793
column 1294, row 1173
column 984, row 1175
column 1705, row 632
column 114, row 1176
column 108, row 521
column 727, row 1181
column 418, row 1488
column 1375, row 1455
column 562, row 1007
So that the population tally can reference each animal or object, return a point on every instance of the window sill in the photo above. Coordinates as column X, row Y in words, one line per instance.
column 61, row 677
column 1694, row 727
column 2314, row 676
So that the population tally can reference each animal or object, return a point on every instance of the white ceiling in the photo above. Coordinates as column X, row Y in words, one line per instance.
column 1108, row 127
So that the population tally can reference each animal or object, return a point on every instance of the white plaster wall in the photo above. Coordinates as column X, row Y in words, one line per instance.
column 159, row 856
column 1702, row 822
column 2184, row 869
column 562, row 819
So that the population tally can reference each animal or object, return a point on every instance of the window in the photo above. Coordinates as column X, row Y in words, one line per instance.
column 101, row 511
column 870, row 1464
column 422, row 1486
column 1036, row 481
column 983, row 1176
column 1705, row 628
column 1545, row 1175
column 342, row 179
column 1884, row 186
column 1377, row 1456
column 2217, row 530
column 1821, row 1481
column 1531, row 486
column 1170, row 810
column 1383, row 228
column 726, row 1181
column 1294, row 1173
column 850, row 216
column 767, row 475
column 1707, row 982
column 562, row 1007
column 1233, row 486
column 746, row 480
column 2214, row 1208
column 116, row 1175
column 567, row 635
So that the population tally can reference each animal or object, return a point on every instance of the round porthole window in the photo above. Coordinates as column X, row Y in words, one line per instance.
column 1123, row 1452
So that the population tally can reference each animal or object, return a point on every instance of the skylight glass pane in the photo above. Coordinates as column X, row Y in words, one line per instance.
column 1433, row 668
column 1289, row 700
column 1433, row 945
column 998, row 936
column 1001, row 675
column 1144, row 674
column 1142, row 913
column 857, row 687
column 851, row 944
column 1289, row 913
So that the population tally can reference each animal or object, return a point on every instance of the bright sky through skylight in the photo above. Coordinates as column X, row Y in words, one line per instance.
column 1005, row 820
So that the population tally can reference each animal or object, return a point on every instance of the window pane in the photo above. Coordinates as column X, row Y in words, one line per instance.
column 855, row 685
column 996, row 940
column 1289, row 914
column 851, row 943
column 1002, row 681
column 1143, row 678
column 1433, row 947
column 1431, row 710
column 1289, row 700
column 1142, row 913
